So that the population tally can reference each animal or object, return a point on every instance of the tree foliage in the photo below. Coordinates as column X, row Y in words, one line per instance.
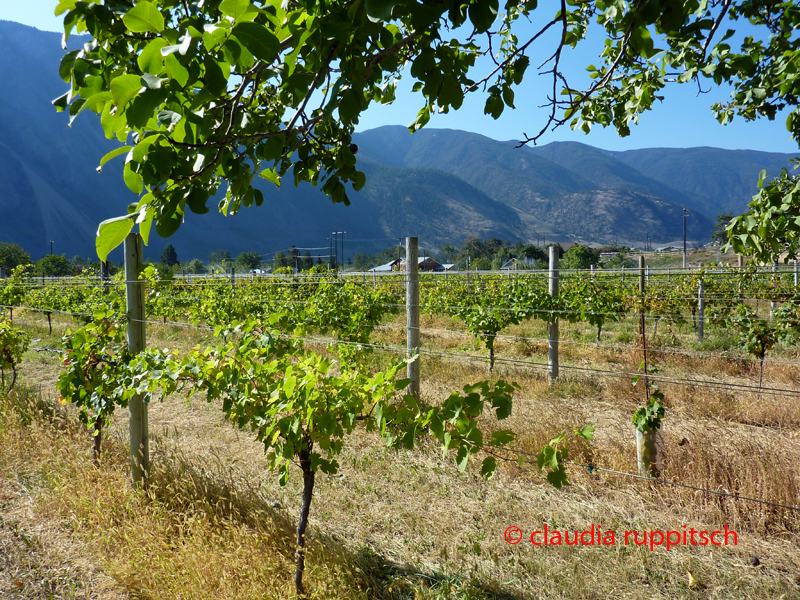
column 772, row 225
column 54, row 266
column 12, row 255
column 249, row 260
column 720, row 232
column 207, row 95
column 580, row 257
column 169, row 256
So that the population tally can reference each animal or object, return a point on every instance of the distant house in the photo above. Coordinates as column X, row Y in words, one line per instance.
column 387, row 268
column 426, row 263
column 446, row 267
column 667, row 249
column 514, row 264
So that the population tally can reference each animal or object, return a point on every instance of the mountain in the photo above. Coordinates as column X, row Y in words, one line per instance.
column 718, row 181
column 441, row 185
column 51, row 190
column 569, row 190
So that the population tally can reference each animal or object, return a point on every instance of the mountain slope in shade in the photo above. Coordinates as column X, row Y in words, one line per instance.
column 718, row 181
column 51, row 190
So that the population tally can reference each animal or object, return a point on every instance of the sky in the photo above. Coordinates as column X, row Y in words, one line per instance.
column 684, row 119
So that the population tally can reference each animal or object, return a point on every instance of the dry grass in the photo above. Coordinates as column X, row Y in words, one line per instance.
column 215, row 524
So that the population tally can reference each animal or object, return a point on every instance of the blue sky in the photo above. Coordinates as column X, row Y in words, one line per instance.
column 684, row 119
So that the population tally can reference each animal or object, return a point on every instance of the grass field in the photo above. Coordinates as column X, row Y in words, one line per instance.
column 214, row 522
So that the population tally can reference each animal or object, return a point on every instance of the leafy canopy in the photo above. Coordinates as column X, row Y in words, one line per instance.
column 206, row 95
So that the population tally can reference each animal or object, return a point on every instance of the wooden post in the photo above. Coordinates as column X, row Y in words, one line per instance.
column 701, row 311
column 648, row 273
column 642, row 289
column 641, row 275
column 552, row 322
column 796, row 273
column 412, row 312
column 773, row 305
column 740, row 261
column 468, row 267
column 104, row 276
column 134, row 288
column 233, row 278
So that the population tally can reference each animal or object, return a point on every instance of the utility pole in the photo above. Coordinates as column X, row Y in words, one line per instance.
column 399, row 243
column 330, row 255
column 685, row 212
column 343, row 234
column 51, row 247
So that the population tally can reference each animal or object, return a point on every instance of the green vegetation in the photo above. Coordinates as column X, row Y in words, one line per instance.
column 12, row 255
column 54, row 266
column 169, row 256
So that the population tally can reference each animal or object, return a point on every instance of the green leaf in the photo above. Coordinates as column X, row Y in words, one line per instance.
column 145, row 16
column 482, row 13
column 133, row 180
column 146, row 224
column 151, row 60
column 124, row 89
column 489, row 467
column 234, row 8
column 423, row 117
column 214, row 79
column 111, row 233
column 176, row 70
column 462, row 456
column 271, row 175
column 587, row 432
column 113, row 154
column 380, row 10
column 258, row 39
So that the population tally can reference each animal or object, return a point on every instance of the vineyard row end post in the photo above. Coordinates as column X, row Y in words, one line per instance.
column 134, row 292
column 796, row 273
column 412, row 312
column 552, row 323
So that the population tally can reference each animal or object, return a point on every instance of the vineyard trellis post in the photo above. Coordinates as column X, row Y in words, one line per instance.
column 134, row 292
column 642, row 290
column 233, row 278
column 701, row 311
column 468, row 268
column 412, row 312
column 104, row 276
column 796, row 273
column 552, row 323
column 773, row 305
